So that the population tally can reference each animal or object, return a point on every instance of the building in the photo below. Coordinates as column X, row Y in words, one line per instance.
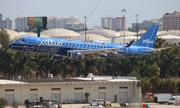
column 73, row 90
column 117, row 23
column 6, row 24
column 67, row 23
column 146, row 24
column 0, row 20
column 21, row 23
column 171, row 21
column 107, row 22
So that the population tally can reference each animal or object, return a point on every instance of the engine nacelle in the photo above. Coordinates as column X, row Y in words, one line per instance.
column 71, row 54
column 55, row 57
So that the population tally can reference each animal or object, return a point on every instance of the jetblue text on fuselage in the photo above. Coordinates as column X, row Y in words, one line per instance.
column 49, row 42
column 147, row 41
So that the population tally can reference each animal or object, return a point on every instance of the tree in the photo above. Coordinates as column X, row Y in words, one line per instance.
column 41, row 64
column 135, row 74
column 145, row 84
column 62, row 67
column 155, row 82
column 159, row 43
column 4, row 38
column 152, row 70
column 3, row 103
column 5, row 58
column 22, row 65
column 178, row 87
column 167, row 86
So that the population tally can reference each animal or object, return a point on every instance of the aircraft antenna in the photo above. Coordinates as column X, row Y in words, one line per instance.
column 93, row 10
column 86, row 19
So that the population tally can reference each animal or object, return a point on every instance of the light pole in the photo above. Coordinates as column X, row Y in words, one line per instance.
column 137, row 24
column 124, row 10
column 85, row 27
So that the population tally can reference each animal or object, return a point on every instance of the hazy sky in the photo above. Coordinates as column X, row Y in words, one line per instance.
column 147, row 9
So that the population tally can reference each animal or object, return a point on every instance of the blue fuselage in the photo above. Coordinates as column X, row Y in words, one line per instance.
column 62, row 46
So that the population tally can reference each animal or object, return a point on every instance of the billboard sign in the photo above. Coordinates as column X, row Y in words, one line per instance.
column 37, row 22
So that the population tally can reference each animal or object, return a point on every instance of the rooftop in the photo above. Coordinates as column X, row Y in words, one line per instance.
column 96, row 79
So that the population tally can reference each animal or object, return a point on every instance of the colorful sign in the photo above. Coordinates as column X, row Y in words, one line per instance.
column 37, row 22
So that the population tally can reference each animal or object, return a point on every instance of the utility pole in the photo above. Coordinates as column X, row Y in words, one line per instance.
column 85, row 27
column 137, row 24
column 124, row 10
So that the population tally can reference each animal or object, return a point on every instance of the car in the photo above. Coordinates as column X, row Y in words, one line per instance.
column 98, row 102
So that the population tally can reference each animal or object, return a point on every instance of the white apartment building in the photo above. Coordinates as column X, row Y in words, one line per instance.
column 73, row 90
column 171, row 21
column 53, row 22
column 107, row 22
column 21, row 23
column 117, row 23
column 67, row 23
column 6, row 24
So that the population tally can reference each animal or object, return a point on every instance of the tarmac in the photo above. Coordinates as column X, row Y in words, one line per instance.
column 151, row 105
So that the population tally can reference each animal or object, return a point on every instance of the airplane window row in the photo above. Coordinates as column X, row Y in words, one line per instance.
column 83, row 45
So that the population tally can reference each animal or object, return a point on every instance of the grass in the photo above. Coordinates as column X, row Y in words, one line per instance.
column 147, row 100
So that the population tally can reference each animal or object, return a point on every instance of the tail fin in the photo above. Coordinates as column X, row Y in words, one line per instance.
column 148, row 38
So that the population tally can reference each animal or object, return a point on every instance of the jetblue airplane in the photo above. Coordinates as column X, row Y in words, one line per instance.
column 77, row 49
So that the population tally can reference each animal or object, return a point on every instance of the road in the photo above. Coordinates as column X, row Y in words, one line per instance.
column 151, row 105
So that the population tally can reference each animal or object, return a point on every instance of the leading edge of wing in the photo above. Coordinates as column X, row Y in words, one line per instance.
column 104, row 50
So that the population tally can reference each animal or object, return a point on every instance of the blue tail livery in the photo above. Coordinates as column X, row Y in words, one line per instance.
column 77, row 49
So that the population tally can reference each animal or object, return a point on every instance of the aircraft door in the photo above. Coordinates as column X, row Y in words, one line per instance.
column 134, row 49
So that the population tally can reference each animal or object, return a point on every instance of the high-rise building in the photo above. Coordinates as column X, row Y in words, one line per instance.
column 107, row 22
column 117, row 23
column 146, row 24
column 55, row 22
column 171, row 21
column 21, row 23
column 0, row 20
column 6, row 24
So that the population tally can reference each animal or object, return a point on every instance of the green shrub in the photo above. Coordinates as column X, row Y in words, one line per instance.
column 3, row 103
column 15, row 104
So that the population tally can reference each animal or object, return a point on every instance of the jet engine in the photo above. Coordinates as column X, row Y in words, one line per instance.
column 55, row 57
column 76, row 55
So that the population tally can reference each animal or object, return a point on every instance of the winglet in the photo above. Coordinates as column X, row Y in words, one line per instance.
column 128, row 45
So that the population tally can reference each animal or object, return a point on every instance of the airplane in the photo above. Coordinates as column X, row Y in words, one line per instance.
column 77, row 49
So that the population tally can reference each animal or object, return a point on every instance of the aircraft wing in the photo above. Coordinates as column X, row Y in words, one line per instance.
column 156, row 50
column 104, row 51
column 100, row 51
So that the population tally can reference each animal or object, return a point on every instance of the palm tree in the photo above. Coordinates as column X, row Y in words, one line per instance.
column 159, row 43
column 5, row 58
column 169, row 63
column 62, row 67
column 41, row 64
column 22, row 65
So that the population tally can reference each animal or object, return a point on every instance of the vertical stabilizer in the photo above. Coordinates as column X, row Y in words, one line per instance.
column 148, row 38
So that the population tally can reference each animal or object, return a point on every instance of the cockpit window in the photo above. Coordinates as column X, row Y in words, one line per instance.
column 23, row 40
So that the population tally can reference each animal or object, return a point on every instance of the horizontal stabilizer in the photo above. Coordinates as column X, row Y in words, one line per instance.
column 156, row 50
column 128, row 45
